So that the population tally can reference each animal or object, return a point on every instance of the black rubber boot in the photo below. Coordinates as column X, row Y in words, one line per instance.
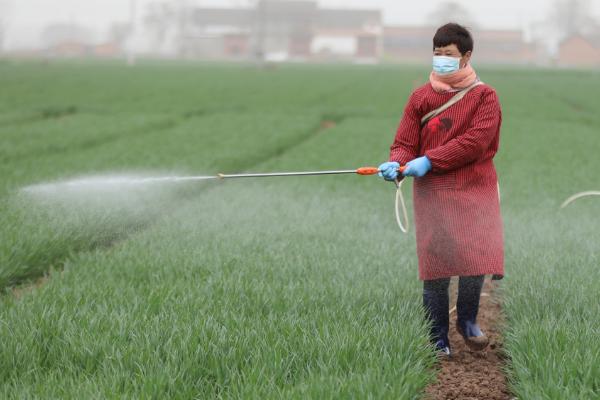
column 436, row 302
column 467, row 307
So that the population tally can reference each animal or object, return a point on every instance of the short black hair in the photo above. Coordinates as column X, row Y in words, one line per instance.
column 454, row 33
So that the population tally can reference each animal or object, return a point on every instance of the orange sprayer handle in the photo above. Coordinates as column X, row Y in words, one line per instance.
column 367, row 170
column 373, row 170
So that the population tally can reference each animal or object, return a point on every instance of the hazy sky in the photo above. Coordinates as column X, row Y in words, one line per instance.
column 27, row 17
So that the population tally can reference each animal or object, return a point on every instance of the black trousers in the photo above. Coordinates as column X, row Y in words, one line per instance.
column 436, row 301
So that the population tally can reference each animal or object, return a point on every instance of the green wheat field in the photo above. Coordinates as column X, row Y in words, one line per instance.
column 274, row 288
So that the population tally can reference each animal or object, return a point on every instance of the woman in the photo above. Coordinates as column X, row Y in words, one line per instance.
column 455, row 191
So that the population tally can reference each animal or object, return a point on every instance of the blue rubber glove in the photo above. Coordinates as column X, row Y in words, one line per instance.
column 417, row 167
column 389, row 170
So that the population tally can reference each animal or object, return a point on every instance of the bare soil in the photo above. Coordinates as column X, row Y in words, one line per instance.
column 473, row 375
column 327, row 124
column 27, row 287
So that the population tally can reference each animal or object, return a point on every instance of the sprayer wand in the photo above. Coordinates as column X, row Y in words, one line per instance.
column 359, row 171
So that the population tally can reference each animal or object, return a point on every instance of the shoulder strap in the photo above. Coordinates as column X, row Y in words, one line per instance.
column 455, row 99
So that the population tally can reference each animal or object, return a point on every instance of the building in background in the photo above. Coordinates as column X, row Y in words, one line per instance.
column 503, row 47
column 406, row 44
column 579, row 51
column 415, row 45
column 70, row 40
column 283, row 31
column 351, row 34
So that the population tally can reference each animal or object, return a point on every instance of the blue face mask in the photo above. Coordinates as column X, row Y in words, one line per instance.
column 443, row 65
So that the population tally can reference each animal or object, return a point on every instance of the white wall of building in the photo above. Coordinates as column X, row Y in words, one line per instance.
column 338, row 45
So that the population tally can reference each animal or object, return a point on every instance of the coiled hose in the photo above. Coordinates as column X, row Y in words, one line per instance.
column 400, row 205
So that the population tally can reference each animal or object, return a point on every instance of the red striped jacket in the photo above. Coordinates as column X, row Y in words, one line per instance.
column 456, row 205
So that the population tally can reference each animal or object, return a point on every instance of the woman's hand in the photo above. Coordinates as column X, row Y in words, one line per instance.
column 389, row 170
column 417, row 167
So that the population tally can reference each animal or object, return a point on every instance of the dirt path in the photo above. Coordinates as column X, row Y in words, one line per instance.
column 470, row 375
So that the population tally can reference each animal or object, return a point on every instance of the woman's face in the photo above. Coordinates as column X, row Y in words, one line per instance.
column 452, row 51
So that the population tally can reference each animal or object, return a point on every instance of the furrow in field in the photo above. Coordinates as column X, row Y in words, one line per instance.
column 45, row 114
column 33, row 150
